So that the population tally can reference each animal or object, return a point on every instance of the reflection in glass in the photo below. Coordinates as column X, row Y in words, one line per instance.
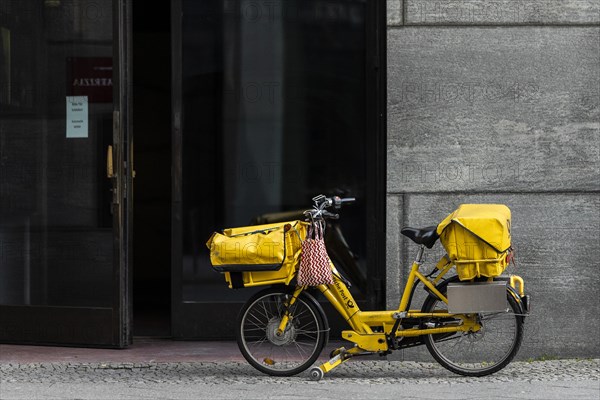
column 55, row 224
column 274, row 113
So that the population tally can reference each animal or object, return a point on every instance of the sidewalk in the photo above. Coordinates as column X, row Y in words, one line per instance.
column 142, row 351
column 215, row 370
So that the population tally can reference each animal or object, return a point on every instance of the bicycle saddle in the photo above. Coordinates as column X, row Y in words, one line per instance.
column 425, row 236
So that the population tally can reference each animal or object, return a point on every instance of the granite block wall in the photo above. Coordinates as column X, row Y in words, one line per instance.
column 499, row 101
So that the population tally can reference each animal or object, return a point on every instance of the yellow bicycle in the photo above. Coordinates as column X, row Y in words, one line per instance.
column 282, row 330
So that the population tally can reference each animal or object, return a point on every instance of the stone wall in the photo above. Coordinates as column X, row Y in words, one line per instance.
column 498, row 101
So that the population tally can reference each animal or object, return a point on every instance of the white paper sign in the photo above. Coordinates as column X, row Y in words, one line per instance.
column 77, row 116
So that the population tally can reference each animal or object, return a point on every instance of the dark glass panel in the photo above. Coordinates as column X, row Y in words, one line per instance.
column 274, row 112
column 56, row 237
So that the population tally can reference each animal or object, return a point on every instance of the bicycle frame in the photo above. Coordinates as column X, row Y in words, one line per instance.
column 371, row 329
column 381, row 332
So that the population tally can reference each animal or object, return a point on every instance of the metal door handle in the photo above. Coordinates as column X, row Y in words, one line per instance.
column 109, row 163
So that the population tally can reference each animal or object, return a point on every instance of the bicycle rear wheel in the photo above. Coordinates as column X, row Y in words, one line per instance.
column 476, row 353
column 290, row 353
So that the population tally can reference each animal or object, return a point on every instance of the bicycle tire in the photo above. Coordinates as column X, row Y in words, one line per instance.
column 476, row 356
column 293, row 352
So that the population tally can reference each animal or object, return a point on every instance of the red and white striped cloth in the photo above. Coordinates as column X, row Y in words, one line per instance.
column 315, row 266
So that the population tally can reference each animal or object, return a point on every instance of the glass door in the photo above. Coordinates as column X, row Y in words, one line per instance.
column 64, row 180
column 274, row 103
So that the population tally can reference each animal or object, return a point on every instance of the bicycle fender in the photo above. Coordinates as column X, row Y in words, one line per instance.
column 518, row 299
column 515, row 294
column 317, row 305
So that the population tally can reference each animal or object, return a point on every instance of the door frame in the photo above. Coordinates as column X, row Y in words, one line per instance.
column 108, row 327
column 376, row 185
column 123, row 137
column 182, row 320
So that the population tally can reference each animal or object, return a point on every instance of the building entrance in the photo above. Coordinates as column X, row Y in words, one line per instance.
column 226, row 113
column 64, row 182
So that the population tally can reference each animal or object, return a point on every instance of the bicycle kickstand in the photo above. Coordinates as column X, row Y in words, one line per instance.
column 316, row 373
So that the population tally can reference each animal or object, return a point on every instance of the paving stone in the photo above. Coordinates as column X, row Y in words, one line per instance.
column 364, row 372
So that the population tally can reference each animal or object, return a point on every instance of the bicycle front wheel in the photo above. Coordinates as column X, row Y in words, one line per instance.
column 476, row 353
column 290, row 353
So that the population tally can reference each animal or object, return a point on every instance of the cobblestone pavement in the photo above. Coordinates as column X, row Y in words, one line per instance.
column 217, row 373
column 217, row 379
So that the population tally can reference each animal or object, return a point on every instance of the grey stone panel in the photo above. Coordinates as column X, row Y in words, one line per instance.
column 393, row 250
column 502, row 12
column 557, row 244
column 394, row 12
column 493, row 109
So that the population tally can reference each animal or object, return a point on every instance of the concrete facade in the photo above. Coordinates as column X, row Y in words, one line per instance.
column 498, row 101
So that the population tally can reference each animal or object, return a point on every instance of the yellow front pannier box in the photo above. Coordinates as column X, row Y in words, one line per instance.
column 477, row 239
column 259, row 254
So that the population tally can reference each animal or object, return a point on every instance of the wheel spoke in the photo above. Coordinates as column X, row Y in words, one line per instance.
column 258, row 342
column 265, row 310
column 300, row 349
column 297, row 315
column 481, row 352
column 289, row 352
column 258, row 313
column 256, row 322
column 305, row 344
column 255, row 329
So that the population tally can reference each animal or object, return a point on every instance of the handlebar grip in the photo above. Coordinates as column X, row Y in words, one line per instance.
column 329, row 215
column 337, row 202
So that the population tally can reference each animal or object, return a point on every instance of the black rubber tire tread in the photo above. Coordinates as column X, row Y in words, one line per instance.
column 321, row 321
column 428, row 339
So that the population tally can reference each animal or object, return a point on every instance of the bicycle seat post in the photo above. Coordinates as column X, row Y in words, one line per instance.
column 420, row 255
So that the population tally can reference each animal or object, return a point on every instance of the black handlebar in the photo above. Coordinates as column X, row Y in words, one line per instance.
column 329, row 215
column 322, row 203
column 338, row 201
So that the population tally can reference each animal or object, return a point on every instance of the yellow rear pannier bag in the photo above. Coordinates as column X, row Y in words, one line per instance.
column 257, row 248
column 477, row 239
